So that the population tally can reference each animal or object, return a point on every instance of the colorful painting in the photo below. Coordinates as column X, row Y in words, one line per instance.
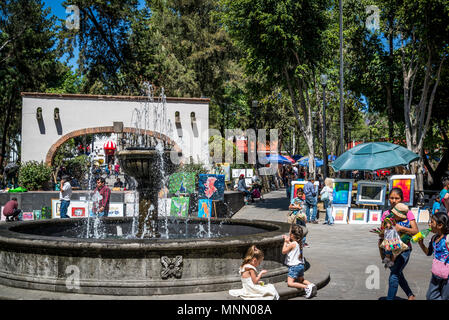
column 56, row 208
column 374, row 216
column 224, row 168
column 37, row 214
column 342, row 191
column 179, row 206
column 296, row 185
column 27, row 216
column 78, row 212
column 211, row 186
column 369, row 192
column 407, row 184
column 182, row 182
column 204, row 208
column 340, row 214
column 358, row 216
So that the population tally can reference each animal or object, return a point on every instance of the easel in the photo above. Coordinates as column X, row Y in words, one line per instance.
column 215, row 208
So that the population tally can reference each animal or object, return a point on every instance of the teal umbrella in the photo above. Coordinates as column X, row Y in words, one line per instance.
column 373, row 156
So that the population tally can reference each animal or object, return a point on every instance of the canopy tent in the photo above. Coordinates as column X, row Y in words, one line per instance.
column 373, row 156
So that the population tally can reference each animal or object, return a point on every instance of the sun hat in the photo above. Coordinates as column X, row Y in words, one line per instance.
column 400, row 210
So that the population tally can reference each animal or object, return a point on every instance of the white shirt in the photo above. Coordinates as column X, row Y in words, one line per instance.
column 66, row 192
column 292, row 258
column 330, row 191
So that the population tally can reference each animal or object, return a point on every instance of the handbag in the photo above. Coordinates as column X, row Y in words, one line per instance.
column 325, row 196
column 440, row 269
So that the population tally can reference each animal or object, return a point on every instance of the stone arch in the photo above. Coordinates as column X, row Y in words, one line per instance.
column 109, row 129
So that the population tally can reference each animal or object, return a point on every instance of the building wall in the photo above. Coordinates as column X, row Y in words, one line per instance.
column 89, row 111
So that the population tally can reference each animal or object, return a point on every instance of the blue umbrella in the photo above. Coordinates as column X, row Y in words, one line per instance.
column 296, row 157
column 277, row 158
column 373, row 156
column 304, row 162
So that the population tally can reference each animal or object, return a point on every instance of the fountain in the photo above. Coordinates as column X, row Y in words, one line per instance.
column 56, row 255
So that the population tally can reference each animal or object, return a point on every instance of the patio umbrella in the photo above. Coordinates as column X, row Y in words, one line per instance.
column 304, row 162
column 290, row 159
column 373, row 156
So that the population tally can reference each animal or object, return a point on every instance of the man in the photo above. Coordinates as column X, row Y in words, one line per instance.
column 118, row 183
column 105, row 192
column 243, row 188
column 11, row 211
column 311, row 200
column 64, row 195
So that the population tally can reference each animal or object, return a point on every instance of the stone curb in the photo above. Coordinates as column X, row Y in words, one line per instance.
column 317, row 274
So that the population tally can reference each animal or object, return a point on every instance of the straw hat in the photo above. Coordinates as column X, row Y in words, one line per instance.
column 400, row 210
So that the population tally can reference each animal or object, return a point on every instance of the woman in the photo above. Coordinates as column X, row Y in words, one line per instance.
column 408, row 227
column 326, row 195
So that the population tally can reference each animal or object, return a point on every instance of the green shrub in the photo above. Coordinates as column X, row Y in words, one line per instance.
column 34, row 175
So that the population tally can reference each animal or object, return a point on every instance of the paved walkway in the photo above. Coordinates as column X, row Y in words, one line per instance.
column 348, row 252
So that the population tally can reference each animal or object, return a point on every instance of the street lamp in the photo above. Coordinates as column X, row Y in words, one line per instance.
column 323, row 79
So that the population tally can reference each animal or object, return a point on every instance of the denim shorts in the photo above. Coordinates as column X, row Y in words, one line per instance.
column 296, row 271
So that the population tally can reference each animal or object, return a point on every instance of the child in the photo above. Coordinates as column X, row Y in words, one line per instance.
column 253, row 288
column 436, row 205
column 398, row 214
column 298, row 211
column 438, row 287
column 295, row 262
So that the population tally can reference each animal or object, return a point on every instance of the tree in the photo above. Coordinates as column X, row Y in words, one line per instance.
column 28, row 61
column 284, row 41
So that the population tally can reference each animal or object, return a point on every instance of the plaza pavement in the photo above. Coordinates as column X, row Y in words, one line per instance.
column 339, row 256
column 347, row 251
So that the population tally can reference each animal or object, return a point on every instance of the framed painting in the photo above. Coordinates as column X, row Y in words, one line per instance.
column 204, row 208
column 374, row 216
column 297, row 185
column 164, row 205
column 179, row 206
column 340, row 214
column 37, row 214
column 249, row 173
column 407, row 184
column 56, row 208
column 235, row 173
column 211, row 186
column 181, row 182
column 225, row 168
column 423, row 216
column 115, row 209
column 369, row 192
column 342, row 191
column 27, row 216
column 358, row 216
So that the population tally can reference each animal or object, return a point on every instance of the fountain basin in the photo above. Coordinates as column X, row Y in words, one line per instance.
column 29, row 259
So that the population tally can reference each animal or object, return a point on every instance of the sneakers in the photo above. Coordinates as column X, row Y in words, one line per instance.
column 311, row 291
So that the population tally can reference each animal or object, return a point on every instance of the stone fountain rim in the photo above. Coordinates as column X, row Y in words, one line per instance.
column 13, row 240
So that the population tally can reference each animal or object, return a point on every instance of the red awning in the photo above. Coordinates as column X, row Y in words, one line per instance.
column 110, row 145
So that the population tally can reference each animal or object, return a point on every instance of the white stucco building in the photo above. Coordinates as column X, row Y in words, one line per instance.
column 48, row 120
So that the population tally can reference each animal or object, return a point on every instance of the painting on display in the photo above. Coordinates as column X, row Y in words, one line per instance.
column 296, row 185
column 204, row 208
column 225, row 169
column 407, row 184
column 358, row 216
column 249, row 173
column 27, row 216
column 211, row 186
column 37, row 214
column 164, row 205
column 55, row 208
column 342, row 191
column 369, row 192
column 374, row 216
column 340, row 214
column 182, row 182
column 179, row 206
column 235, row 173
column 115, row 209
column 423, row 216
